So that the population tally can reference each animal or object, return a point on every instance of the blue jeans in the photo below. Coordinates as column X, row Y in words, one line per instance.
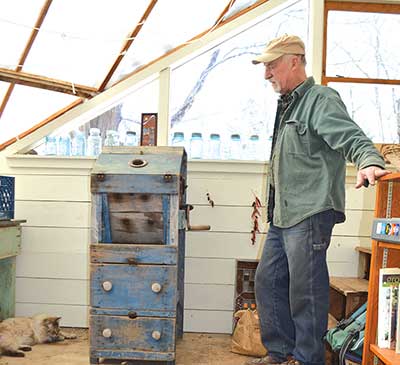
column 292, row 289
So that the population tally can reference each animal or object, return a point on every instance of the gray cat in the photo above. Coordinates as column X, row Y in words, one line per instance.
column 20, row 333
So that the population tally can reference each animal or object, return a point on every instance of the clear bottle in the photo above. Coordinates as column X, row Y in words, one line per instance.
column 51, row 146
column 214, row 147
column 79, row 144
column 178, row 140
column 196, row 145
column 64, row 145
column 112, row 138
column 131, row 139
column 94, row 142
column 253, row 149
column 235, row 147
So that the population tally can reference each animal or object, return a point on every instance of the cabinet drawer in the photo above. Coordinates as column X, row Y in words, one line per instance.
column 139, row 254
column 10, row 241
column 133, row 286
column 125, row 334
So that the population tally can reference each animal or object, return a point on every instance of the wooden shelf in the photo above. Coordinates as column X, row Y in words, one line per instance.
column 383, row 254
column 389, row 357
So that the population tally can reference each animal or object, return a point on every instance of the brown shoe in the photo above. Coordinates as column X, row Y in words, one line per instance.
column 291, row 362
column 267, row 360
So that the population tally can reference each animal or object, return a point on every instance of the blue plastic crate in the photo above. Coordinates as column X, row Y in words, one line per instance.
column 7, row 197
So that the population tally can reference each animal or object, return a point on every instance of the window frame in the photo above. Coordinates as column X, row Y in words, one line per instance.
column 354, row 7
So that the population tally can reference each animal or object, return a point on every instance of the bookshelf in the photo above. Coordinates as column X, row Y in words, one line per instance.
column 382, row 255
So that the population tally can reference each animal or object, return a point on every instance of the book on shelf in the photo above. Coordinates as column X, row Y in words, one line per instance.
column 397, row 346
column 389, row 279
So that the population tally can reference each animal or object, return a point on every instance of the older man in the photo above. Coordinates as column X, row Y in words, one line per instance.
column 313, row 137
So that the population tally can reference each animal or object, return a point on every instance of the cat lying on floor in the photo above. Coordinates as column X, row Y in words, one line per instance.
column 20, row 333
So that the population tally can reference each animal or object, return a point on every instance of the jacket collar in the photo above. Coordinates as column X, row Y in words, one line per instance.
column 300, row 90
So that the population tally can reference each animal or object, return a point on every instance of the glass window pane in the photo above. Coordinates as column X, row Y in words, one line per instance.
column 19, row 24
column 171, row 23
column 3, row 89
column 222, row 92
column 375, row 108
column 237, row 6
column 115, row 122
column 28, row 106
column 80, row 40
column 362, row 45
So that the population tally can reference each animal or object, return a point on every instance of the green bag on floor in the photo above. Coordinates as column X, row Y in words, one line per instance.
column 348, row 335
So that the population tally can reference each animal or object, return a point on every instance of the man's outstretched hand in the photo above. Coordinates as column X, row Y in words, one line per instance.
column 370, row 174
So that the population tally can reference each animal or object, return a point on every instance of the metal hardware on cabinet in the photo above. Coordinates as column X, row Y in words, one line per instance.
column 107, row 333
column 156, row 287
column 167, row 178
column 132, row 261
column 156, row 335
column 101, row 177
column 137, row 163
column 107, row 285
column 132, row 314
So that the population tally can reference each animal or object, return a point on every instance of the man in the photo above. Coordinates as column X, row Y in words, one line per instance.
column 313, row 137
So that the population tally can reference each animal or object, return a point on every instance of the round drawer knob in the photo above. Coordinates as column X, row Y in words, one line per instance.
column 107, row 285
column 107, row 333
column 156, row 287
column 156, row 335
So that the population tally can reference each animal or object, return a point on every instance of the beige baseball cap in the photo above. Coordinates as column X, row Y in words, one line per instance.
column 287, row 44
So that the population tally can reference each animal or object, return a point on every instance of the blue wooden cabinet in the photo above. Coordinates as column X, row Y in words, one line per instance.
column 10, row 247
column 137, row 255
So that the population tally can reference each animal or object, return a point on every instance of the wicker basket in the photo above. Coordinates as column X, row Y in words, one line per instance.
column 391, row 153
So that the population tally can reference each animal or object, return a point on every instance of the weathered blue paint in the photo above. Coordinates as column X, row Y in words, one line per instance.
column 106, row 226
column 125, row 253
column 133, row 252
column 132, row 286
column 126, row 312
column 166, row 219
column 181, row 284
column 155, row 184
column 134, row 355
column 133, row 333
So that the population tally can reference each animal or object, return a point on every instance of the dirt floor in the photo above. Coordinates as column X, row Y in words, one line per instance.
column 193, row 349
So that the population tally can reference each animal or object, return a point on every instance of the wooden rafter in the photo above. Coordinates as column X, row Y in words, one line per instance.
column 127, row 44
column 227, row 7
column 28, row 46
column 27, row 79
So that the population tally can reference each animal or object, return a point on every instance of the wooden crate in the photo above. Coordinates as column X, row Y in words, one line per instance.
column 346, row 295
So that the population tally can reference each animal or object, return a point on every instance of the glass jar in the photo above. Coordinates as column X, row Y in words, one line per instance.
column 214, row 147
column 235, row 147
column 64, row 145
column 79, row 144
column 94, row 142
column 112, row 138
column 131, row 139
column 178, row 140
column 253, row 148
column 196, row 145
column 51, row 146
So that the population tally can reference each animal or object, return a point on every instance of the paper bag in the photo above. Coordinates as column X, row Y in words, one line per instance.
column 246, row 339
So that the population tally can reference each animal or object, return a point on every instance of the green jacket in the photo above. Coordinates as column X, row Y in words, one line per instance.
column 316, row 136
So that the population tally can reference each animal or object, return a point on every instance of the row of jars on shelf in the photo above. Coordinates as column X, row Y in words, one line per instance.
column 79, row 145
column 212, row 148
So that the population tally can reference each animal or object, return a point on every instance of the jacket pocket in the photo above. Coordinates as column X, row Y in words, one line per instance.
column 295, row 137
